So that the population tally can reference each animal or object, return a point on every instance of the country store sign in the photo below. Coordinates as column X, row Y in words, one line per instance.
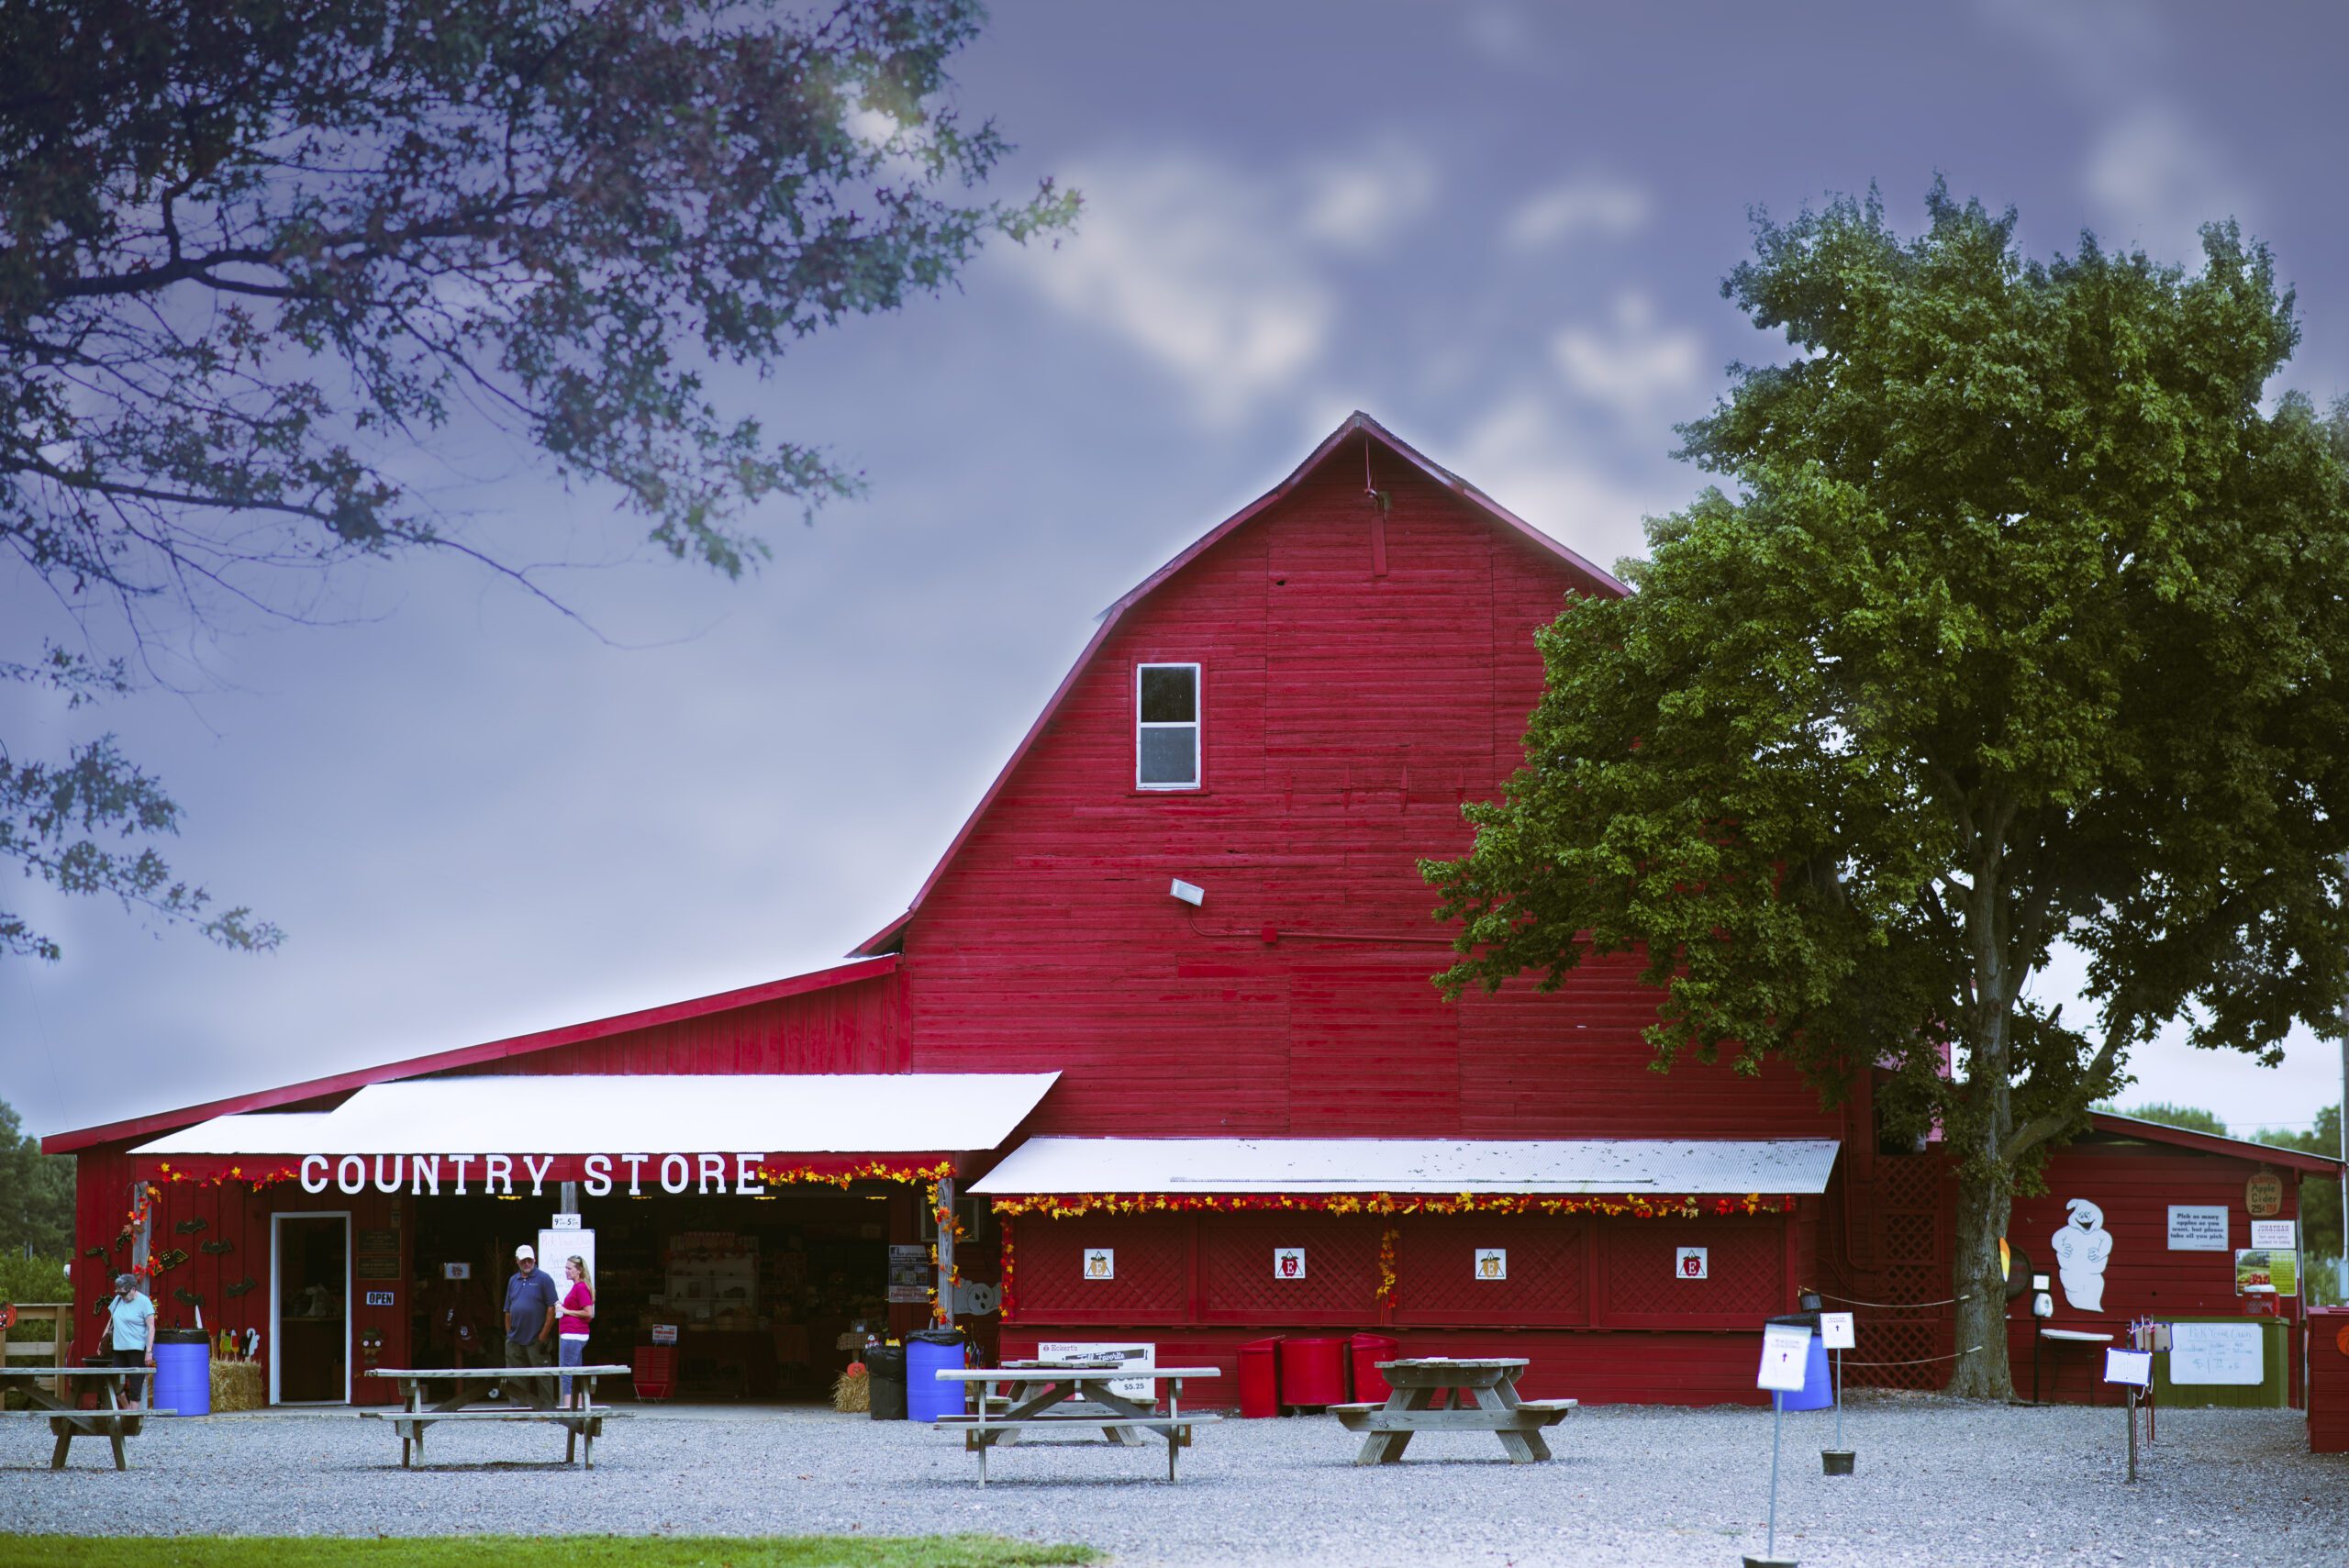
column 744, row 1176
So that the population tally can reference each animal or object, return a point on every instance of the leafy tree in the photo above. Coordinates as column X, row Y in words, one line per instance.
column 255, row 252
column 2028, row 623
column 36, row 1193
column 2193, row 1118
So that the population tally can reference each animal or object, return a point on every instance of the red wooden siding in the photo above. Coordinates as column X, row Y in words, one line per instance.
column 1346, row 718
column 855, row 1028
column 1545, row 1284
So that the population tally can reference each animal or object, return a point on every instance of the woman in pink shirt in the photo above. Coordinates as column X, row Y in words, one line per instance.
column 578, row 1311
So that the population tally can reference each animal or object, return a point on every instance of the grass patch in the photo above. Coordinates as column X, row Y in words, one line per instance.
column 571, row 1550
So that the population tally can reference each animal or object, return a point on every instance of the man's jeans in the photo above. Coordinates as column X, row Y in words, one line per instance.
column 538, row 1391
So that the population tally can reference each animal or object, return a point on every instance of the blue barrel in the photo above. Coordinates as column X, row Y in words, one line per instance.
column 927, row 1353
column 183, row 1372
column 1818, row 1390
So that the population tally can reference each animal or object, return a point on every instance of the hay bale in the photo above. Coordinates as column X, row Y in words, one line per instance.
column 852, row 1392
column 236, row 1385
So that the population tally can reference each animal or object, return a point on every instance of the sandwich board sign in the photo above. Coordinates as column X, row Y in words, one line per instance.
column 1786, row 1357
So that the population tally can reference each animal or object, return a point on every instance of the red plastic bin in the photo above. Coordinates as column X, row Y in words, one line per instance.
column 1260, row 1378
column 655, row 1371
column 1369, row 1350
column 1313, row 1371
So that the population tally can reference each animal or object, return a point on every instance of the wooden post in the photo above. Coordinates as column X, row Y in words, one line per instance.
column 946, row 1249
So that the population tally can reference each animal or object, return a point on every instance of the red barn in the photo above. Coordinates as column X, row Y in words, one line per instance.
column 1154, row 1050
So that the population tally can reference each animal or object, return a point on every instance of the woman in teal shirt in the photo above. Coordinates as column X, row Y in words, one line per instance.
column 131, row 1327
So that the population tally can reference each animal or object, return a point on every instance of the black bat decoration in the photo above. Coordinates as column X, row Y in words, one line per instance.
column 215, row 1248
column 190, row 1227
column 172, row 1258
column 94, row 1251
column 192, row 1298
column 238, row 1289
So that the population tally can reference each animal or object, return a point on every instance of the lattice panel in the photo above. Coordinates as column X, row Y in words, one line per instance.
column 1436, row 1280
column 1907, row 1348
column 1909, row 1238
column 1745, row 1269
column 1341, row 1283
column 1150, row 1256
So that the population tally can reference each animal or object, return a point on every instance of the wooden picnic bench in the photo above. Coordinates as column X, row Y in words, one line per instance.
column 580, row 1423
column 114, row 1423
column 1041, row 1392
column 1483, row 1399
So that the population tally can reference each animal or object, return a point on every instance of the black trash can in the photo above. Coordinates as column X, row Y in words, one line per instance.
column 884, row 1380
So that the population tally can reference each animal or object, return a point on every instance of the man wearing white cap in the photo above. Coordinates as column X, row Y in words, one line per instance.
column 530, row 1304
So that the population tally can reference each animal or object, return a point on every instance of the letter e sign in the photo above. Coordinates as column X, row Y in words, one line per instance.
column 1288, row 1262
column 1100, row 1263
column 1688, row 1262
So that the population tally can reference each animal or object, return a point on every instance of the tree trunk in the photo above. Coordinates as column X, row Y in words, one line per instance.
column 1984, row 1205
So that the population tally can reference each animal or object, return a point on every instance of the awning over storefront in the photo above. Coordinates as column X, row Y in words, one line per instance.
column 1635, row 1166
column 560, row 1115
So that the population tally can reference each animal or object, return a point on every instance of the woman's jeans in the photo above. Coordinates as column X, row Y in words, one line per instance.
column 573, row 1353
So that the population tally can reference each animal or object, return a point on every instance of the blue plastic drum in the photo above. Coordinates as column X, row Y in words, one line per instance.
column 183, row 1372
column 1818, row 1391
column 926, row 1399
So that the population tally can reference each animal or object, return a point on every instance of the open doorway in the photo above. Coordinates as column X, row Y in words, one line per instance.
column 309, row 1362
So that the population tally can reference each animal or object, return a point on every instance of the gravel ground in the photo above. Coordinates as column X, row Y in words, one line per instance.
column 1939, row 1483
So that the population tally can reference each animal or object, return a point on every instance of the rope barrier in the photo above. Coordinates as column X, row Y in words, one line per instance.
column 1920, row 1361
column 1893, row 1306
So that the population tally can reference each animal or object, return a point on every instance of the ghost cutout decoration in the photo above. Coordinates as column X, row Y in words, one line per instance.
column 2082, row 1247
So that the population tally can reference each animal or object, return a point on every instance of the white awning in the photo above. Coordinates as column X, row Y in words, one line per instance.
column 1665, row 1168
column 554, row 1114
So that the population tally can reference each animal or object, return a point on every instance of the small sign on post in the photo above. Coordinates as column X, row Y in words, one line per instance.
column 2133, row 1370
column 1837, row 1333
column 1786, row 1357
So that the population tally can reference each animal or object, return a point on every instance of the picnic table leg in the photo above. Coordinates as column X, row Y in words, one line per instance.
column 1522, row 1447
column 570, row 1443
column 984, row 1446
column 64, row 1445
column 1386, row 1448
column 114, row 1422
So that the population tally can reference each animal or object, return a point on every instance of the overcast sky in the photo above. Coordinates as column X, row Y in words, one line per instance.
column 1500, row 230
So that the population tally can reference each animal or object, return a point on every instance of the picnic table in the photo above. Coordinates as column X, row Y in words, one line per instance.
column 114, row 1423
column 580, row 1422
column 1041, row 1393
column 1483, row 1399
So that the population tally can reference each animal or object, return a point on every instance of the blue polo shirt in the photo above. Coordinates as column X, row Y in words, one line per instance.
column 529, row 1298
column 133, row 1320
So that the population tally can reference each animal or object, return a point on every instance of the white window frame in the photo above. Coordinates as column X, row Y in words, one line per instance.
column 1196, row 725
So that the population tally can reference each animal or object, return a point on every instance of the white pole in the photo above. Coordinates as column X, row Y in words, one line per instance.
column 1778, row 1421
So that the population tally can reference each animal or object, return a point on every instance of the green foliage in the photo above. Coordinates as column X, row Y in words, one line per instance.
column 585, row 1550
column 2027, row 622
column 33, row 1279
column 36, row 1198
column 253, row 255
column 2193, row 1118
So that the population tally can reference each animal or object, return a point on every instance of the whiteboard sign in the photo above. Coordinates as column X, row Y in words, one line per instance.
column 1689, row 1263
column 2132, row 1367
column 1786, row 1357
column 1288, row 1262
column 2275, row 1235
column 2193, row 1229
column 555, row 1246
column 1492, row 1262
column 2230, row 1354
column 1836, row 1331
column 1129, row 1355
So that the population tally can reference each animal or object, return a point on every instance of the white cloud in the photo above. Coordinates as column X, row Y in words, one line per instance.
column 1634, row 366
column 2153, row 180
column 1219, row 275
column 1524, row 454
column 1359, row 204
column 1590, row 204
column 1199, row 268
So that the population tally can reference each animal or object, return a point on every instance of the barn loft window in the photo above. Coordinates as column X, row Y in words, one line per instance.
column 1166, row 725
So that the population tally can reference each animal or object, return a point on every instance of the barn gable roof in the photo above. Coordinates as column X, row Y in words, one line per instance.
column 888, row 938
column 472, row 1055
column 2114, row 1124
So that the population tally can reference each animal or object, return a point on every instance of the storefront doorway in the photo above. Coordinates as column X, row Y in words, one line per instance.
column 309, row 1353
column 767, row 1298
